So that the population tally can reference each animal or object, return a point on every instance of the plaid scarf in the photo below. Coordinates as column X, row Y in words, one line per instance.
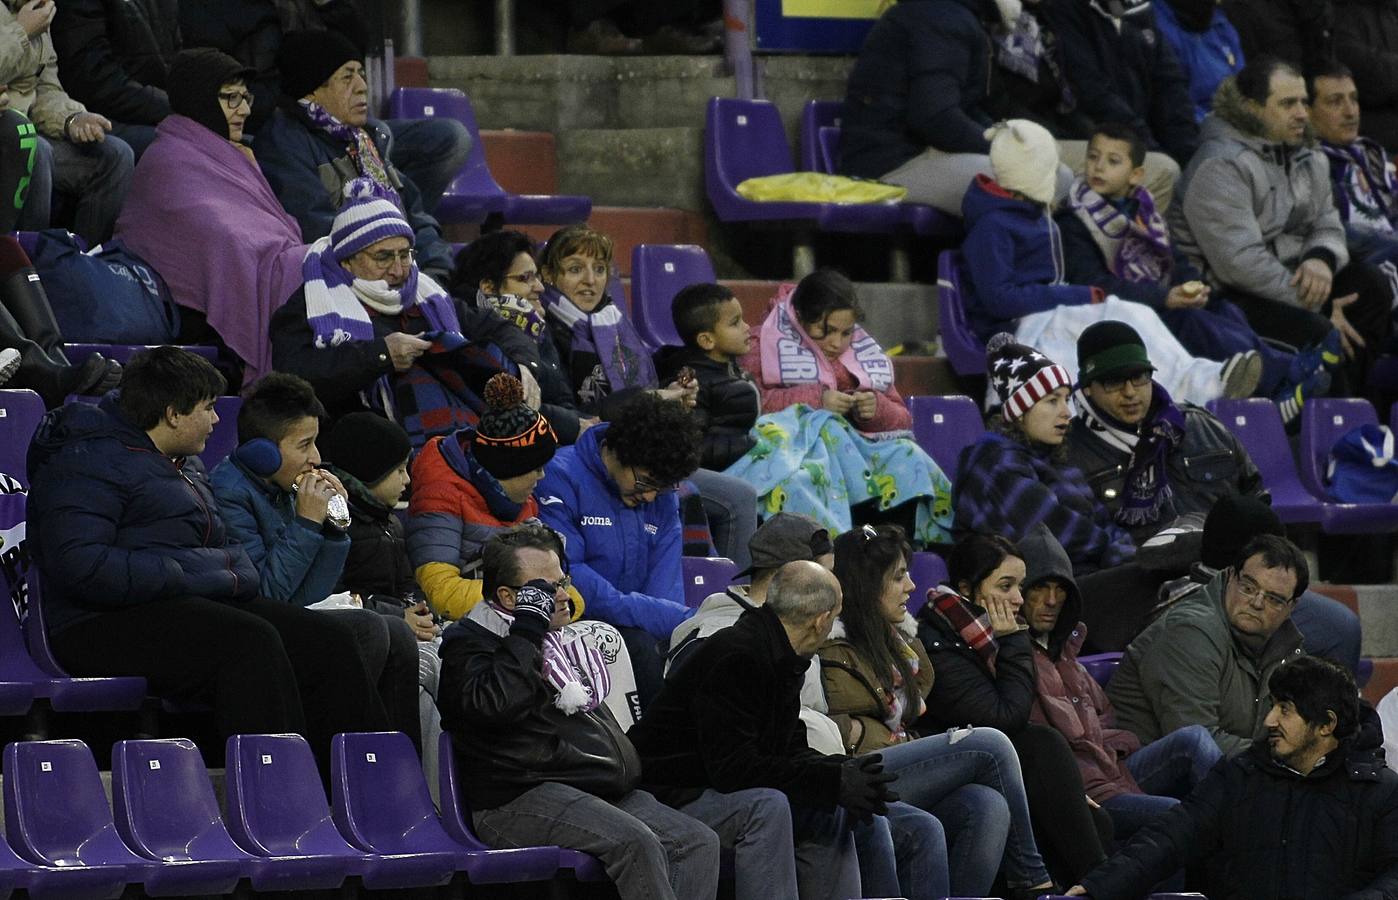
column 1147, row 487
column 1136, row 247
column 362, row 151
column 576, row 669
column 969, row 621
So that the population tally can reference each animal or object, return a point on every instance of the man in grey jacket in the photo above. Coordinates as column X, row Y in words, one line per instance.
column 1259, row 220
column 1206, row 661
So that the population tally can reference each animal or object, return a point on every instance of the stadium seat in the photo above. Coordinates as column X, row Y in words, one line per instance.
column 474, row 194
column 276, row 810
column 817, row 115
column 944, row 426
column 1101, row 666
column 225, row 434
column 497, row 866
column 165, row 811
column 1324, row 421
column 962, row 347
column 927, row 571
column 56, row 815
column 20, row 413
column 705, row 575
column 658, row 273
column 122, row 353
column 1258, row 427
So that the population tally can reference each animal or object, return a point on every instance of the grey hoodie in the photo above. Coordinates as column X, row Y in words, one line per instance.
column 1253, row 210
column 1045, row 558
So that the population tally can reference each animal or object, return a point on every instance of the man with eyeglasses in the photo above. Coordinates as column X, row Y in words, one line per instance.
column 1206, row 661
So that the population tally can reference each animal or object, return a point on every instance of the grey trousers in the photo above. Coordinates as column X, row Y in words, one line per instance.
column 95, row 175
column 650, row 851
column 756, row 825
column 731, row 505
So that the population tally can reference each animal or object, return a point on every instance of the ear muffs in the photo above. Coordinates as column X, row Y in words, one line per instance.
column 259, row 456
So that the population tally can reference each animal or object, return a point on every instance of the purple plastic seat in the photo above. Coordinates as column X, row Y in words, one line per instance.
column 944, row 426
column 1258, row 427
column 56, row 815
column 927, row 570
column 166, row 812
column 1323, row 422
column 816, row 116
column 20, row 413
column 474, row 194
column 963, row 348
column 658, row 273
column 705, row 575
column 276, row 810
column 122, row 353
column 1101, row 666
column 225, row 434
column 500, row 866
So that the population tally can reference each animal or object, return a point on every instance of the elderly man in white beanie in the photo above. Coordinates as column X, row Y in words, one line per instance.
column 1014, row 282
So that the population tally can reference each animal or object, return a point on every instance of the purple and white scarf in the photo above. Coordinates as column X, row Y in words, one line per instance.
column 336, row 300
column 1136, row 248
column 518, row 311
column 576, row 669
column 1146, row 487
column 363, row 153
column 606, row 332
column 790, row 356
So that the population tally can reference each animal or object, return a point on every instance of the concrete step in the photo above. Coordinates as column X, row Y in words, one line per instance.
column 661, row 166
column 1378, row 615
column 523, row 162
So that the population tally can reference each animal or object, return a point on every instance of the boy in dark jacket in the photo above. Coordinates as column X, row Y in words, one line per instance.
column 710, row 322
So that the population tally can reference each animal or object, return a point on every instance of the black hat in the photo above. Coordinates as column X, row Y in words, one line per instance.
column 1110, row 349
column 511, row 438
column 367, row 446
column 307, row 59
column 193, row 82
column 1232, row 522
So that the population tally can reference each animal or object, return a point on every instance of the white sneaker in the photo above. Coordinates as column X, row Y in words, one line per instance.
column 1241, row 374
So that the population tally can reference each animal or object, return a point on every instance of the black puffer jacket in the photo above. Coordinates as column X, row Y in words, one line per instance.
column 1271, row 834
column 378, row 563
column 965, row 691
column 114, row 55
column 728, row 404
column 1209, row 464
column 1366, row 40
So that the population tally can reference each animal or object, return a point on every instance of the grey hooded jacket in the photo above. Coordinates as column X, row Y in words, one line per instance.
column 1253, row 210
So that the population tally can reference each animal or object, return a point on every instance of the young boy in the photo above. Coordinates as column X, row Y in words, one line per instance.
column 710, row 322
column 1114, row 239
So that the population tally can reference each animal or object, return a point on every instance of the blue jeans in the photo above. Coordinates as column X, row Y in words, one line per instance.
column 1328, row 628
column 827, row 867
column 932, row 769
column 138, row 137
column 756, row 825
column 903, row 854
column 430, row 153
column 1167, row 770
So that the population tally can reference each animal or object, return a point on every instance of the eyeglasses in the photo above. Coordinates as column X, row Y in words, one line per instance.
column 1117, row 385
column 1251, row 590
column 235, row 99
column 646, row 487
column 385, row 258
column 554, row 587
column 525, row 278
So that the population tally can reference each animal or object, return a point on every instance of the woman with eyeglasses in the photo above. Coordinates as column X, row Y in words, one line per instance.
column 202, row 214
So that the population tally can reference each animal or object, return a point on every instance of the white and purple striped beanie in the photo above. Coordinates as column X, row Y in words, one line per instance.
column 370, row 214
column 1021, row 375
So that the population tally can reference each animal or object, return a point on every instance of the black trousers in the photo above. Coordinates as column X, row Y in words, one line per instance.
column 1116, row 605
column 1070, row 834
column 265, row 667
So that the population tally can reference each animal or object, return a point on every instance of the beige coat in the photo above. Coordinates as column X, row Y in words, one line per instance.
column 30, row 67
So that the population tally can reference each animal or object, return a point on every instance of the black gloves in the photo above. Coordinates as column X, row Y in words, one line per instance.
column 534, row 607
column 864, row 787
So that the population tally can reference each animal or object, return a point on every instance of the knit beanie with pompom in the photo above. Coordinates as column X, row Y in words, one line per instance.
column 511, row 439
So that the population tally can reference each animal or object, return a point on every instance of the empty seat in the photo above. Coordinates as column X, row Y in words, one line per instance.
column 1258, row 427
column 963, row 349
column 705, row 575
column 658, row 273
column 944, row 426
column 20, row 414
column 927, row 570
column 1323, row 422
column 1101, row 665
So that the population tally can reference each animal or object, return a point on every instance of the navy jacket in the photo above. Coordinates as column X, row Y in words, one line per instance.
column 114, row 523
column 115, row 55
column 726, row 409
column 1084, row 263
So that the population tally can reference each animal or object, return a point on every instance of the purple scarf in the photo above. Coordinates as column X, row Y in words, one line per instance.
column 605, row 332
column 576, row 670
column 336, row 300
column 362, row 151
column 1136, row 248
column 1147, row 486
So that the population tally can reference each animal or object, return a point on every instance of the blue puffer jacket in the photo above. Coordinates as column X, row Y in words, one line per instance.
column 113, row 523
column 624, row 561
column 299, row 561
column 1207, row 57
column 1014, row 260
column 308, row 169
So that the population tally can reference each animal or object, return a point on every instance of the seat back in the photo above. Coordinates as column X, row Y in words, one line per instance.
column 20, row 414
column 456, row 812
column 1257, row 425
column 381, row 802
column 450, row 103
column 164, row 803
column 705, row 575
column 828, row 144
column 275, row 803
column 658, row 273
column 816, row 116
column 742, row 139
column 963, row 348
column 122, row 353
column 36, row 633
column 944, row 426
column 927, row 570
column 1324, row 421
column 225, row 434
column 1101, row 666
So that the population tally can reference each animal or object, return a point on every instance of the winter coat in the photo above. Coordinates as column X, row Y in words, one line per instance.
column 298, row 560
column 115, row 55
column 1206, row 57
column 1209, row 463
column 1005, row 487
column 1083, row 263
column 728, row 404
column 966, row 691
column 1128, row 75
column 1267, row 832
column 580, row 368
column 1378, row 170
column 1187, row 668
column 378, row 556
column 729, row 719
column 308, row 169
column 114, row 523
column 558, row 404
column 1014, row 261
column 1366, row 40
column 505, row 729
column 1066, row 697
column 854, row 691
column 1300, row 31
column 717, row 612
column 1252, row 210
column 625, row 561
column 30, row 68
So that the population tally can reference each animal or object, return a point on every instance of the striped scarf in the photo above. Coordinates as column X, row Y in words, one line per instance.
column 576, row 669
column 362, row 151
column 336, row 300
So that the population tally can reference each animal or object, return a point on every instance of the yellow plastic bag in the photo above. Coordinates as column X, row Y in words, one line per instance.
column 816, row 187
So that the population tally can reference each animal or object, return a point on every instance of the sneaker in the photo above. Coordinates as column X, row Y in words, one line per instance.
column 1240, row 375
column 1328, row 353
column 9, row 363
column 1292, row 398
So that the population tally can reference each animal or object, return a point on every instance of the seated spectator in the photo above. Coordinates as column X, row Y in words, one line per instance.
column 471, row 485
column 611, row 496
column 1258, row 219
column 1114, row 239
column 498, row 272
column 1015, row 275
column 549, row 765
column 1206, row 661
column 1366, row 41
column 322, row 137
column 1311, row 814
column 1133, row 783
column 834, row 442
column 124, row 530
column 981, row 654
column 16, row 162
column 222, row 243
column 728, row 722
column 876, row 677
column 1205, row 43
column 116, row 57
column 277, row 504
column 369, row 330
column 74, row 155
